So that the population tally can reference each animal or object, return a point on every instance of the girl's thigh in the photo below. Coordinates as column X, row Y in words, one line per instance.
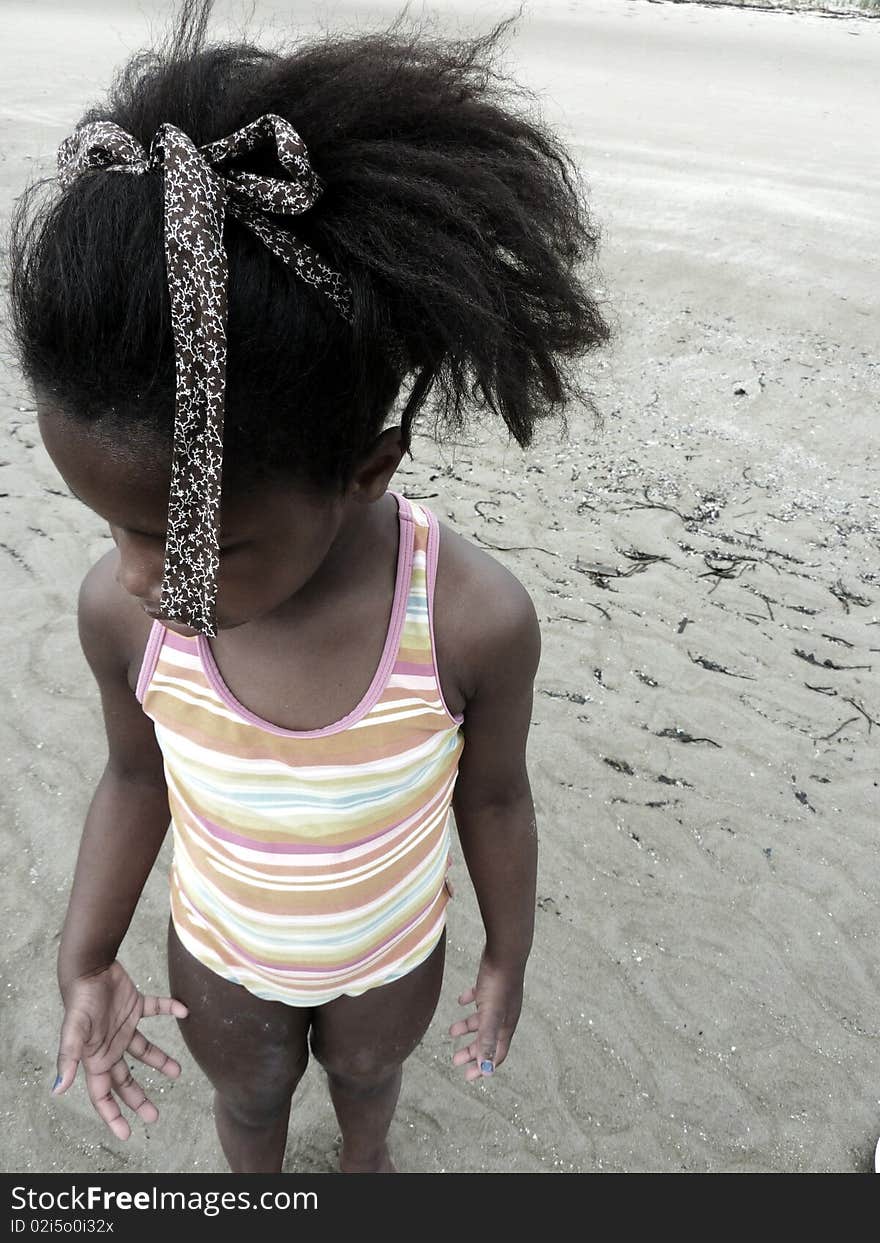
column 248, row 1048
column 366, row 1036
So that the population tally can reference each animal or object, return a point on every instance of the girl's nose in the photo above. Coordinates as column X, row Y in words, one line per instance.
column 140, row 568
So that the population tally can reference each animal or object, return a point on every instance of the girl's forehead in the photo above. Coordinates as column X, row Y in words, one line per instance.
column 126, row 478
column 90, row 455
column 100, row 437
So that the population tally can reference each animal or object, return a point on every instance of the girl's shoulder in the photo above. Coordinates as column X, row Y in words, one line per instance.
column 113, row 628
column 484, row 618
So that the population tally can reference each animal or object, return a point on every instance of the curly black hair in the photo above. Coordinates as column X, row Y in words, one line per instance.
column 459, row 220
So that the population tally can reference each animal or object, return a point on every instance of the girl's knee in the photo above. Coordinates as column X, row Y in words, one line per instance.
column 357, row 1067
column 263, row 1099
column 363, row 1077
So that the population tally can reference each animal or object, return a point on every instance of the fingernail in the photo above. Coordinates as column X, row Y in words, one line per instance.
column 487, row 1067
column 57, row 1081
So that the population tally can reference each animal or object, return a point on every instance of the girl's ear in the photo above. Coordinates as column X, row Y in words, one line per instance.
column 377, row 466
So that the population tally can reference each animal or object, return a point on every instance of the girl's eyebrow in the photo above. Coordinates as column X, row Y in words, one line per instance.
column 147, row 533
column 82, row 502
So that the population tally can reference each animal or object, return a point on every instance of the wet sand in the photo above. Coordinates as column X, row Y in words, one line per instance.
column 703, row 990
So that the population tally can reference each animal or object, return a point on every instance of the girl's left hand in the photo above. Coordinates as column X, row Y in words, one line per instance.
column 498, row 994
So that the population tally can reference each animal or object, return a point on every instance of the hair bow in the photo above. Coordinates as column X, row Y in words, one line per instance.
column 199, row 188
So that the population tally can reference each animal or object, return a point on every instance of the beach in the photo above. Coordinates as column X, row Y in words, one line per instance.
column 704, row 989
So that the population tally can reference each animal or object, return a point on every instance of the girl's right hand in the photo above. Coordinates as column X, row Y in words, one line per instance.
column 101, row 1016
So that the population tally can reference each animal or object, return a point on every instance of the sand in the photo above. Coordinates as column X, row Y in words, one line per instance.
column 703, row 991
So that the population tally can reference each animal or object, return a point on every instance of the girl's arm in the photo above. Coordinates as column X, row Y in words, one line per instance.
column 129, row 816
column 125, row 826
column 495, row 818
column 124, row 829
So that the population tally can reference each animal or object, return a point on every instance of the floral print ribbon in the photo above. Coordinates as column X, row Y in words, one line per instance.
column 199, row 188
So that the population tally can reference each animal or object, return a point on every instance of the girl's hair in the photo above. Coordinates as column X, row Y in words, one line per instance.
column 459, row 222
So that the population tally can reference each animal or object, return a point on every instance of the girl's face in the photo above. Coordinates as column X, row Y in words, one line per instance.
column 271, row 544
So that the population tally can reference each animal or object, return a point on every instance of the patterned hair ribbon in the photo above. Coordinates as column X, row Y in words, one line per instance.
column 198, row 190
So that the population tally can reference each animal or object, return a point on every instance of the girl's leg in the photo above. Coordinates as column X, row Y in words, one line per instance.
column 362, row 1043
column 254, row 1053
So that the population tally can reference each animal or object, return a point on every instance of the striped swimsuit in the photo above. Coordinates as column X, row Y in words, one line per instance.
column 309, row 864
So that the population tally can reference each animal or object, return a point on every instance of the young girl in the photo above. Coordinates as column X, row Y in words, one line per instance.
column 300, row 669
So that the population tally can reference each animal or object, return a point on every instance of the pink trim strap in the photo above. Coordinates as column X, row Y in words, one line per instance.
column 151, row 656
column 431, row 579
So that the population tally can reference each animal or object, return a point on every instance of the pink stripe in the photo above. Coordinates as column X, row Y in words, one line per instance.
column 179, row 642
column 338, row 970
column 409, row 667
column 282, row 848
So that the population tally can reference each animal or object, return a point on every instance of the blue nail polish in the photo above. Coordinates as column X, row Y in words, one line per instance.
column 57, row 1081
column 487, row 1067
